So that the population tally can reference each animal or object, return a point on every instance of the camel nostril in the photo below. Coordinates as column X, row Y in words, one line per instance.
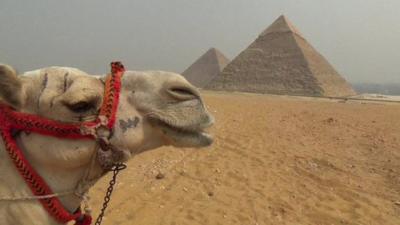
column 183, row 93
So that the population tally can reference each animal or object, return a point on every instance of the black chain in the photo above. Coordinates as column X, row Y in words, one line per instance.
column 116, row 168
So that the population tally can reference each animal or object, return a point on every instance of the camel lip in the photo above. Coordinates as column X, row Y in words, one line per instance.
column 210, row 122
column 179, row 129
column 195, row 128
column 199, row 133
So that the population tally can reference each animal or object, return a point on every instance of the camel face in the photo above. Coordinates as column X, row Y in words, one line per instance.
column 168, row 105
column 156, row 108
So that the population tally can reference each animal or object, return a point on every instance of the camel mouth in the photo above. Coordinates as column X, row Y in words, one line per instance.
column 186, row 136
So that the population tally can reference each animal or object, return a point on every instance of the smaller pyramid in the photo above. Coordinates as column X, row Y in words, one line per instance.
column 204, row 69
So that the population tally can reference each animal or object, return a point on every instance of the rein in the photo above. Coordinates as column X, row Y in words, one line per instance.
column 100, row 130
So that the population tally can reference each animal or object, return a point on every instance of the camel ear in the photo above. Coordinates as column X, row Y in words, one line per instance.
column 10, row 87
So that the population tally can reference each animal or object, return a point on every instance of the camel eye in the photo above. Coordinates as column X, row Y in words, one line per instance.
column 81, row 107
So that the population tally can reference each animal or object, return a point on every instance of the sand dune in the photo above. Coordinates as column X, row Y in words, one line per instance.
column 276, row 160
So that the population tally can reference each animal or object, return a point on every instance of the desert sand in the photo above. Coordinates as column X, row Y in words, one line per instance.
column 276, row 160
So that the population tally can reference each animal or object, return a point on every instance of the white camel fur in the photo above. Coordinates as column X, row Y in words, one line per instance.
column 156, row 108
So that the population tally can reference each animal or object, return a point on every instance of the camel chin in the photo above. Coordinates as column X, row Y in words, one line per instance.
column 186, row 137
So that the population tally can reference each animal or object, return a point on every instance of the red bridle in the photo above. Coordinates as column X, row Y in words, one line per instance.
column 11, row 120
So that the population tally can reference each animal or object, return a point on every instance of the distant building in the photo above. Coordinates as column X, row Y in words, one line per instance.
column 383, row 88
column 281, row 61
column 204, row 69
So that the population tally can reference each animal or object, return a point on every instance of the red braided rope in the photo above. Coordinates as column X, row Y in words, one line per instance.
column 10, row 120
column 37, row 124
column 111, row 99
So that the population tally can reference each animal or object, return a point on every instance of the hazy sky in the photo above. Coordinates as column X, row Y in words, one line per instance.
column 361, row 38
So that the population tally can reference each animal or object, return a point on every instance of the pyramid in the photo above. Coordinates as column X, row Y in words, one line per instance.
column 281, row 61
column 204, row 69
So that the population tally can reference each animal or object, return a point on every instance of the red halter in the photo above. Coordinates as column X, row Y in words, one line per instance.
column 11, row 120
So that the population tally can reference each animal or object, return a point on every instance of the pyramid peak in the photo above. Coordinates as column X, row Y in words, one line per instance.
column 210, row 51
column 213, row 50
column 283, row 17
column 280, row 25
column 215, row 53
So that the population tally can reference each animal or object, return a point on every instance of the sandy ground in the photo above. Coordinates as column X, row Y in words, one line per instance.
column 276, row 160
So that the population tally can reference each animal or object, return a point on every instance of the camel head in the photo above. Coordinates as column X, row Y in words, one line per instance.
column 156, row 108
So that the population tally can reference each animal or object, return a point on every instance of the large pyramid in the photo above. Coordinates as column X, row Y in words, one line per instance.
column 204, row 69
column 281, row 61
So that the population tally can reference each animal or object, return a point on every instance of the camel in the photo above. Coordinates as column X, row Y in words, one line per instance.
column 156, row 108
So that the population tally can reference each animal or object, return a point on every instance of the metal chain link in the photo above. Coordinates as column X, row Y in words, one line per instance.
column 116, row 168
